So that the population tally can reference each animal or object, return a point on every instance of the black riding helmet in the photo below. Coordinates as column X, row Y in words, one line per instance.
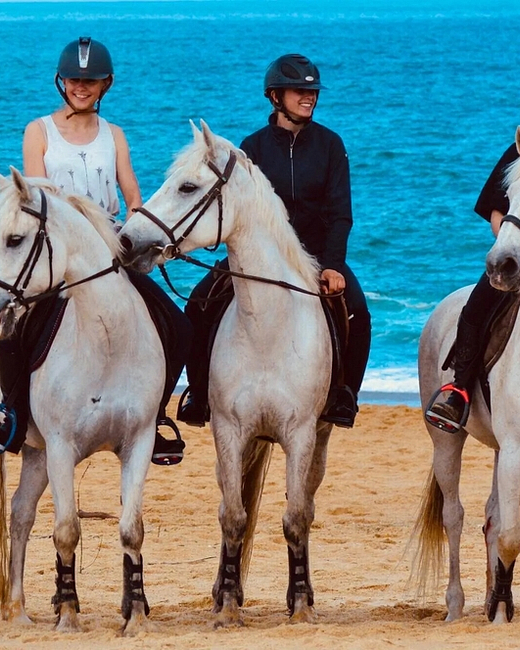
column 85, row 58
column 290, row 71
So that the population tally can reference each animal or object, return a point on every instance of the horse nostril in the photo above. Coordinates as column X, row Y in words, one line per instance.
column 126, row 243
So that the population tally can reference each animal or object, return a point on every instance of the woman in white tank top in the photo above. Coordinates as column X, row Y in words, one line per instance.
column 76, row 148
column 82, row 153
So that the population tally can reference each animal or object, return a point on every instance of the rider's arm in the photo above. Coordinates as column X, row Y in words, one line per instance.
column 34, row 146
column 496, row 220
column 126, row 177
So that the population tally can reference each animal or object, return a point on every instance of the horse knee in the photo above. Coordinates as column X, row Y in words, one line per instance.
column 233, row 524
column 509, row 545
column 296, row 528
column 66, row 538
column 132, row 534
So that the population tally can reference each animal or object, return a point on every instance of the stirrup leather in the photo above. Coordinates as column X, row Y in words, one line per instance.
column 444, row 422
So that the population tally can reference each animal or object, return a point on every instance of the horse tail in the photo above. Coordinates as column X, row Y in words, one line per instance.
column 428, row 561
column 4, row 548
column 254, row 472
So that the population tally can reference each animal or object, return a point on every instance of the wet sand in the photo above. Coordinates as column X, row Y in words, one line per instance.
column 360, row 566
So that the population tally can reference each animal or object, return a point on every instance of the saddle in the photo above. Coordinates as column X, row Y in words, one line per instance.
column 25, row 353
column 497, row 333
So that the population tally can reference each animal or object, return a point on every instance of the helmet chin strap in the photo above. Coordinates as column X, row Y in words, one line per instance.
column 280, row 107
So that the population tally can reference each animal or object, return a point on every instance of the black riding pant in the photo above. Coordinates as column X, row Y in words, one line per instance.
column 202, row 318
column 482, row 304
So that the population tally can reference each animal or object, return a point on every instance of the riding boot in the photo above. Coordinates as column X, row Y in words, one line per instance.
column 452, row 413
column 208, row 303
column 193, row 404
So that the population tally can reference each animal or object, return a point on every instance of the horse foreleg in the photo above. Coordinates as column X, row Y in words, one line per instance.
column 491, row 529
column 33, row 481
column 447, row 459
column 134, row 606
column 227, row 591
column 500, row 606
column 60, row 469
column 305, row 467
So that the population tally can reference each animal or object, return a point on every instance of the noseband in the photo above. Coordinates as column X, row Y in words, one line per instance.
column 511, row 219
column 205, row 202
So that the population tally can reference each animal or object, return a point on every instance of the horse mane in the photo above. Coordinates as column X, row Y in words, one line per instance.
column 511, row 173
column 272, row 213
column 99, row 218
column 269, row 209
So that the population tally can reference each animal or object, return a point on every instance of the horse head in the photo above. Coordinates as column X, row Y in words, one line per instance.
column 192, row 209
column 503, row 260
column 25, row 249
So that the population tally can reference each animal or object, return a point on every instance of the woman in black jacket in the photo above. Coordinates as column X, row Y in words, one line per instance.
column 307, row 164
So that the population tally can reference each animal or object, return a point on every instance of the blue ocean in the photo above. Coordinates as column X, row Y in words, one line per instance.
column 423, row 92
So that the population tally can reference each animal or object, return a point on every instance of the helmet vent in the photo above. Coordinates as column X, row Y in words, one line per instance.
column 84, row 51
column 289, row 71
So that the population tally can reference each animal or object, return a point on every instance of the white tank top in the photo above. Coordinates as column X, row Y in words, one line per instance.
column 85, row 169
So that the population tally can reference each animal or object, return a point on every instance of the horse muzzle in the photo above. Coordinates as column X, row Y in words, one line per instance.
column 503, row 272
column 141, row 257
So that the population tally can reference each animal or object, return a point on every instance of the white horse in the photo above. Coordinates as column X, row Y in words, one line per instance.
column 271, row 361
column 499, row 430
column 98, row 389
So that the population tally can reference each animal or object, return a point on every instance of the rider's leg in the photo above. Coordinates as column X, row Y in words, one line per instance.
column 14, row 376
column 176, row 344
column 342, row 411
column 194, row 409
column 449, row 414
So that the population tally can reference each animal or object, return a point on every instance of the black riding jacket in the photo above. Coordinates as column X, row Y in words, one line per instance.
column 493, row 195
column 310, row 173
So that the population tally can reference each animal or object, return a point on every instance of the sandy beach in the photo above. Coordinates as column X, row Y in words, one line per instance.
column 360, row 565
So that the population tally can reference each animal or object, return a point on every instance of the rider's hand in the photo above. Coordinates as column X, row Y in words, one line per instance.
column 332, row 281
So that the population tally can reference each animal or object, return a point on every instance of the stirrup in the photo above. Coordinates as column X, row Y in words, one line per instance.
column 444, row 422
column 175, row 452
column 9, row 424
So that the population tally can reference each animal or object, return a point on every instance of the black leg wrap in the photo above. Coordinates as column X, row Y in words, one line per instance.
column 229, row 577
column 133, row 588
column 502, row 591
column 65, row 589
column 299, row 582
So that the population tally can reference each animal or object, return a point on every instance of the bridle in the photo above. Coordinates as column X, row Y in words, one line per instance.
column 511, row 219
column 171, row 251
column 42, row 239
column 215, row 192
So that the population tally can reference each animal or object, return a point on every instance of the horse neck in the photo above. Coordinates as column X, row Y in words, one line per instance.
column 255, row 251
column 88, row 255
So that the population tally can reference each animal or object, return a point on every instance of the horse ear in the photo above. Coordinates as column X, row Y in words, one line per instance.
column 3, row 182
column 21, row 185
column 517, row 138
column 197, row 134
column 209, row 139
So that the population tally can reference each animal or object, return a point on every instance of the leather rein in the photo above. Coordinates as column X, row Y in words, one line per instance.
column 42, row 239
column 171, row 251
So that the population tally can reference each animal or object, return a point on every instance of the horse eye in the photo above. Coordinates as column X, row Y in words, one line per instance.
column 14, row 240
column 187, row 188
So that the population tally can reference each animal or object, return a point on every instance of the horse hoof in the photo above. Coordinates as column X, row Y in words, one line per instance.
column 16, row 615
column 228, row 621
column 68, row 626
column 304, row 615
column 138, row 623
